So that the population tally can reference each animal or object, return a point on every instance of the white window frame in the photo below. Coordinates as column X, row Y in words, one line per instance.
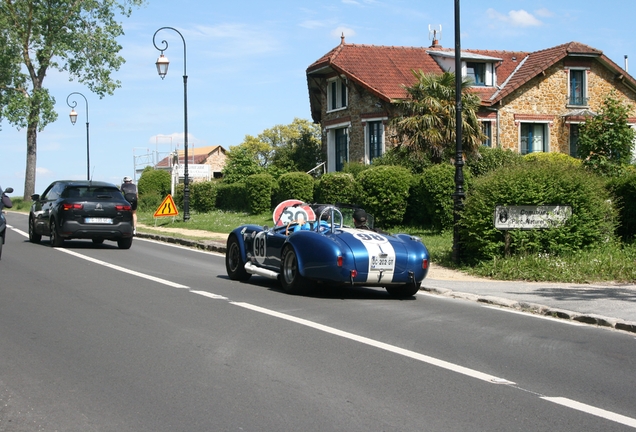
column 546, row 124
column 340, row 104
column 585, row 85
column 367, row 137
column 330, row 131
column 491, row 138
column 489, row 74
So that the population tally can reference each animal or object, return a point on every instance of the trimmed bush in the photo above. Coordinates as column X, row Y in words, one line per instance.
column 491, row 159
column 624, row 191
column 538, row 183
column 557, row 159
column 150, row 201
column 154, row 181
column 336, row 187
column 232, row 197
column 203, row 196
column 430, row 202
column 259, row 192
column 295, row 185
column 384, row 191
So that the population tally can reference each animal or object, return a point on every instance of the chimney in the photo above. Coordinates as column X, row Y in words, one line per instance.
column 435, row 35
column 626, row 65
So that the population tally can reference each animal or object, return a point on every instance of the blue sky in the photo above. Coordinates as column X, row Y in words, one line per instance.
column 246, row 63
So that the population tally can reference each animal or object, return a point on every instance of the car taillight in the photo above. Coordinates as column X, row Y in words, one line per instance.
column 339, row 261
column 121, row 207
column 354, row 273
column 424, row 263
column 69, row 206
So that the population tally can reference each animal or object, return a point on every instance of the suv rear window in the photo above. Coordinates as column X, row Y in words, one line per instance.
column 91, row 192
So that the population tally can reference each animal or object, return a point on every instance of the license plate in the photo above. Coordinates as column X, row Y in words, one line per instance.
column 98, row 221
column 382, row 263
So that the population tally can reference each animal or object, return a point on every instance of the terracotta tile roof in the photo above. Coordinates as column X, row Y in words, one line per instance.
column 383, row 70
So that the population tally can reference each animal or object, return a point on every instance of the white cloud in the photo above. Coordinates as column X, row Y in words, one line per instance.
column 545, row 13
column 518, row 18
column 312, row 24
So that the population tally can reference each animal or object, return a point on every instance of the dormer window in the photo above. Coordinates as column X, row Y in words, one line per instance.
column 336, row 94
column 477, row 72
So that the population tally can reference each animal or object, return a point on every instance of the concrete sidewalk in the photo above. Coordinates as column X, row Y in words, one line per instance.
column 606, row 305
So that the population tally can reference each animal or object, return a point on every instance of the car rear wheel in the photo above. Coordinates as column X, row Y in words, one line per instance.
column 124, row 243
column 403, row 291
column 290, row 278
column 33, row 236
column 56, row 240
column 234, row 264
column 1, row 243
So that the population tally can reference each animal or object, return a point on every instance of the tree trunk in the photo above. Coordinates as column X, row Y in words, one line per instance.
column 31, row 160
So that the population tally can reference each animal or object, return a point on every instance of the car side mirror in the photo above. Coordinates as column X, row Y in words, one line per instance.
column 8, row 190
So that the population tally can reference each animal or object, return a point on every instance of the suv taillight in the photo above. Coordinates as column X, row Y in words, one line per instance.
column 69, row 206
column 120, row 207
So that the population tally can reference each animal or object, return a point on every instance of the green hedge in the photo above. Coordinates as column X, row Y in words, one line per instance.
column 542, row 182
column 232, row 197
column 203, row 196
column 384, row 191
column 259, row 192
column 624, row 191
column 336, row 187
column 154, row 181
column 295, row 185
column 491, row 159
column 430, row 201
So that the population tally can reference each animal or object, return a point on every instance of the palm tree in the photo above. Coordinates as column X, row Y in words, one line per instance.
column 427, row 120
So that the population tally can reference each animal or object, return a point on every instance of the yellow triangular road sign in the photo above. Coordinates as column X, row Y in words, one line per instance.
column 167, row 208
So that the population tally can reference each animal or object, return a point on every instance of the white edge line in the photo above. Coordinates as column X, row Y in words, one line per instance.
column 627, row 421
column 210, row 295
column 529, row 314
column 124, row 270
column 391, row 348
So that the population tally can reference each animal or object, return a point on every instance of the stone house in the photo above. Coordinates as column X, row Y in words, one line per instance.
column 530, row 101
column 213, row 156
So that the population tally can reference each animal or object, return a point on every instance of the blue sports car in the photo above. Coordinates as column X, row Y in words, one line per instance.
column 306, row 247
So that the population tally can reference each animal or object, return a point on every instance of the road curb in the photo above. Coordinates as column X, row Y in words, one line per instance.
column 592, row 319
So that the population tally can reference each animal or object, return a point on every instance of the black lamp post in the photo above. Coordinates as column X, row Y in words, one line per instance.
column 162, row 68
column 73, row 116
column 458, row 196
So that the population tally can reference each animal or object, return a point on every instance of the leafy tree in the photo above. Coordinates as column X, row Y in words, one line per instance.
column 241, row 163
column 606, row 140
column 292, row 147
column 427, row 122
column 78, row 37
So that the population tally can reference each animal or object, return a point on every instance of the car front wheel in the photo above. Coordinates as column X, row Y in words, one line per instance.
column 56, row 240
column 234, row 264
column 291, row 279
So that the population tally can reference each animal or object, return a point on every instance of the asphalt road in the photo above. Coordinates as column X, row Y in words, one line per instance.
column 156, row 338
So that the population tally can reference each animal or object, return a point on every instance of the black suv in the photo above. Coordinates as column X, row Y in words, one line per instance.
column 81, row 209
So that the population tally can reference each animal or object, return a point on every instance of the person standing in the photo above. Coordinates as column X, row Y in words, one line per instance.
column 130, row 193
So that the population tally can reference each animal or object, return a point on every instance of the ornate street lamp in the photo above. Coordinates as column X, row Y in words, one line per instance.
column 162, row 69
column 458, row 196
column 73, row 117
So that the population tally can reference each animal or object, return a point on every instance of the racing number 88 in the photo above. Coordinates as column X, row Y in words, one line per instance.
column 370, row 237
